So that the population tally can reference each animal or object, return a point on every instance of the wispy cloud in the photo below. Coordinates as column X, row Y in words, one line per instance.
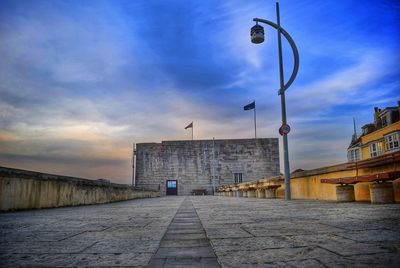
column 350, row 85
column 80, row 82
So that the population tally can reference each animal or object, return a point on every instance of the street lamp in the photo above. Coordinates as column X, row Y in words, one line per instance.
column 257, row 37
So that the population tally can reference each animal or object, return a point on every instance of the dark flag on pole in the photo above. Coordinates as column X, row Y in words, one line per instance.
column 250, row 106
column 189, row 126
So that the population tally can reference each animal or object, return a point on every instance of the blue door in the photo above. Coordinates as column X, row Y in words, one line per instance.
column 172, row 187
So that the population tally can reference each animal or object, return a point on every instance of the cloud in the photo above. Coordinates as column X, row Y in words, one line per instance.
column 61, row 47
column 80, row 82
column 346, row 86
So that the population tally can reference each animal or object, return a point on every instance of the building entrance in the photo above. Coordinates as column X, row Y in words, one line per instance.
column 172, row 187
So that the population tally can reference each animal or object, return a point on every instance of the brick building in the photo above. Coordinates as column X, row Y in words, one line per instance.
column 179, row 167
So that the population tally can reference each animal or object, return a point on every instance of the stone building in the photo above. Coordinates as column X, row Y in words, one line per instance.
column 181, row 167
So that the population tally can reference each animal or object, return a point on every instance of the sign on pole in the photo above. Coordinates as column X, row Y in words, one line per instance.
column 284, row 129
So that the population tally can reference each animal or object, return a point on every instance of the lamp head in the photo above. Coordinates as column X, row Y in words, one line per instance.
column 257, row 34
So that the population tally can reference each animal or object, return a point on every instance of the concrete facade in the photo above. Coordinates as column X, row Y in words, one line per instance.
column 190, row 163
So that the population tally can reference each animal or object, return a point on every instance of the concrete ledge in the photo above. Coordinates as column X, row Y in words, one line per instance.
column 319, row 171
column 22, row 189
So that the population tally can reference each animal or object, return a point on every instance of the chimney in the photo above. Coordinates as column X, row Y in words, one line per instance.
column 377, row 119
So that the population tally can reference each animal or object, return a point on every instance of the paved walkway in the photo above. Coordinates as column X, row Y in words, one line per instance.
column 169, row 232
column 250, row 232
column 185, row 243
column 117, row 234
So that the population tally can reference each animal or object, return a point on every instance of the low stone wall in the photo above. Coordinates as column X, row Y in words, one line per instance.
column 22, row 189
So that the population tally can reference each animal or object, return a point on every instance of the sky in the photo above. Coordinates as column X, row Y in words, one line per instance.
column 81, row 81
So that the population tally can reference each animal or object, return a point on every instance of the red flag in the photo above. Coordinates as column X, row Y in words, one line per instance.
column 189, row 126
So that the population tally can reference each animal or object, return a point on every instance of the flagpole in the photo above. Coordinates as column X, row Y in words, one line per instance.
column 133, row 166
column 252, row 106
column 213, row 166
column 192, row 130
column 255, row 121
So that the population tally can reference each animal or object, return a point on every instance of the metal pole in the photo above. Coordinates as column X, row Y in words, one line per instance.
column 192, row 130
column 255, row 121
column 294, row 50
column 213, row 167
column 283, row 107
column 133, row 166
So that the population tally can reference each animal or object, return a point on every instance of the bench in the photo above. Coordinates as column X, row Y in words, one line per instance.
column 199, row 192
column 381, row 189
column 380, row 177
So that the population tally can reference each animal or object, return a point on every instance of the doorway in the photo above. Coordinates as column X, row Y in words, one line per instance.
column 172, row 187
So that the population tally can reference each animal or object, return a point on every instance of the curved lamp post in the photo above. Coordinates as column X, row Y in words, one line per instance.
column 257, row 37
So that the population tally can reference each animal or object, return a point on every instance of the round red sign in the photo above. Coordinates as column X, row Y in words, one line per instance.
column 284, row 129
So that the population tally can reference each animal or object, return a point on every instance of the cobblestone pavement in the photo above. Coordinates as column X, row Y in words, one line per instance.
column 250, row 232
column 244, row 232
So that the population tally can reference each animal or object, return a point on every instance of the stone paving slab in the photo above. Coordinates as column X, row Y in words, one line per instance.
column 204, row 231
column 223, row 232
column 254, row 243
column 118, row 246
column 39, row 247
column 251, row 232
column 264, row 257
column 41, row 236
column 75, row 260
column 186, row 231
column 117, row 234
column 186, row 252
column 186, row 262
column 174, row 243
column 367, row 236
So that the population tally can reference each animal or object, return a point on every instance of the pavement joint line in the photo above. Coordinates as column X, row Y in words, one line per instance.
column 244, row 229
column 165, row 233
column 68, row 237
column 331, row 251
column 82, row 251
column 277, row 235
column 205, row 252
column 363, row 254
column 348, row 238
column 106, row 228
column 317, row 260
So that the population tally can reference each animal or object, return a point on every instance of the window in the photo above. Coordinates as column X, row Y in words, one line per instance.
column 384, row 121
column 392, row 141
column 171, row 184
column 353, row 155
column 365, row 131
column 375, row 149
column 237, row 177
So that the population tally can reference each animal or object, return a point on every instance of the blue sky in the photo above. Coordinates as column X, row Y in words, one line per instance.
column 81, row 80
